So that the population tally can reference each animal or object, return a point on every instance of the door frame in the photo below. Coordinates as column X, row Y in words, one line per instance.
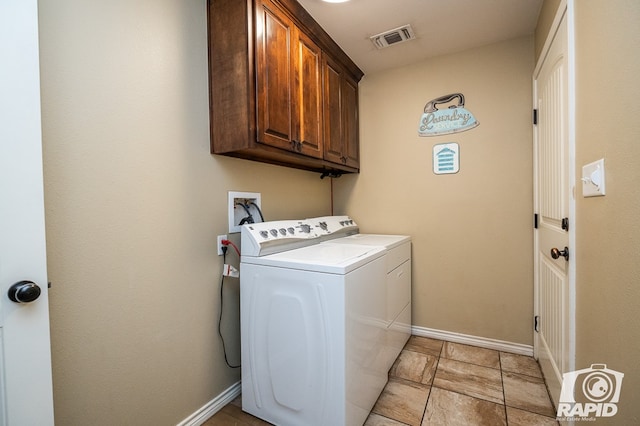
column 26, row 390
column 566, row 8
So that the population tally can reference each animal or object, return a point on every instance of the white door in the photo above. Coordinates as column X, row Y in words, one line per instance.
column 554, row 339
column 25, row 354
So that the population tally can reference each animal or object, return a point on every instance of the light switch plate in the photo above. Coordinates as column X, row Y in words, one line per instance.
column 593, row 179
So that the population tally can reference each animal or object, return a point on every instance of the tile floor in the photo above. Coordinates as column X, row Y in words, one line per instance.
column 442, row 383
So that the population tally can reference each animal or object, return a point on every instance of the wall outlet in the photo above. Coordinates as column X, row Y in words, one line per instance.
column 220, row 238
column 243, row 208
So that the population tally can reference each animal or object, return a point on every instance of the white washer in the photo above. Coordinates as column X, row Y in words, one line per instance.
column 398, row 287
column 313, row 323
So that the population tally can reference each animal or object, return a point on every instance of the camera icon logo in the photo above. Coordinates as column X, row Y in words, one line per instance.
column 590, row 392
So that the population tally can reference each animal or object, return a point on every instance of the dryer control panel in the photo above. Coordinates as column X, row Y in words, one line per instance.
column 260, row 239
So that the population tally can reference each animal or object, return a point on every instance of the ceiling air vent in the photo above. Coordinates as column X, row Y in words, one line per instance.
column 395, row 36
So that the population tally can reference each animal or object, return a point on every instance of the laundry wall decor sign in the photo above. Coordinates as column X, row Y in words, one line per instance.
column 446, row 158
column 454, row 119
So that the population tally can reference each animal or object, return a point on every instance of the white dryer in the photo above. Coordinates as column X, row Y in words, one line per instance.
column 313, row 323
column 398, row 287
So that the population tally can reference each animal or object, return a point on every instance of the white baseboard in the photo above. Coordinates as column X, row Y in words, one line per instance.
column 213, row 406
column 483, row 342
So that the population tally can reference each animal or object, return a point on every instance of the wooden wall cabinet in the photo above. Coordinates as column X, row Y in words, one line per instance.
column 340, row 115
column 281, row 91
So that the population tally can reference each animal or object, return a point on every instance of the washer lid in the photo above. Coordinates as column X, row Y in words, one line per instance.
column 326, row 257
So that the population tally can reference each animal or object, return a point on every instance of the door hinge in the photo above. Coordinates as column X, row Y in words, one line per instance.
column 535, row 220
column 536, row 323
column 535, row 116
column 565, row 223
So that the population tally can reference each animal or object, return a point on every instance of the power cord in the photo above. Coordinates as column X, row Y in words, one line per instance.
column 224, row 348
column 249, row 218
column 259, row 211
column 226, row 243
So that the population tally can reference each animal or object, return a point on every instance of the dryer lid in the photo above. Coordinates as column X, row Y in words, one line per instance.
column 386, row 241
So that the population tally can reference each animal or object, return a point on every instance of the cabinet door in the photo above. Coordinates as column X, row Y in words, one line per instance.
column 341, row 137
column 308, row 84
column 351, row 138
column 276, row 122
column 333, row 120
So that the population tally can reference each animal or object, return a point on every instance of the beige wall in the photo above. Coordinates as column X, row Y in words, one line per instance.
column 134, row 202
column 608, row 228
column 472, row 231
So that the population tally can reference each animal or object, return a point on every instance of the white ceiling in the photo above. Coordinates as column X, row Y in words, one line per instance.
column 440, row 26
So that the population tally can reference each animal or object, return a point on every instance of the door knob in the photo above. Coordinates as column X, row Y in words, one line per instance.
column 555, row 253
column 24, row 292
